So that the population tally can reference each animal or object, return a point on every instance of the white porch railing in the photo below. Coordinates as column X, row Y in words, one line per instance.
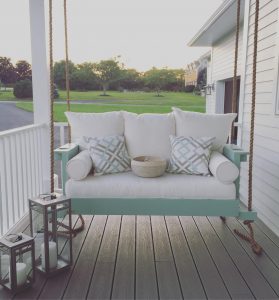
column 21, row 171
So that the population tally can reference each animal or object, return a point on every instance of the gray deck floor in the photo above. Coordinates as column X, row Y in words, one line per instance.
column 128, row 257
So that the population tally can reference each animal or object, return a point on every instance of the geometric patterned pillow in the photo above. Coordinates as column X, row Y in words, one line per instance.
column 109, row 154
column 190, row 155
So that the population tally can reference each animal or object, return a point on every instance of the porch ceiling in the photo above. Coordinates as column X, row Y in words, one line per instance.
column 220, row 23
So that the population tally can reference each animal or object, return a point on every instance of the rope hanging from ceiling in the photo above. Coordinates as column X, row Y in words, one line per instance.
column 68, row 230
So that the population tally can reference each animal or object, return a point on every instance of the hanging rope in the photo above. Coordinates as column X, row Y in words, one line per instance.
column 67, row 76
column 250, row 238
column 51, row 121
column 51, row 79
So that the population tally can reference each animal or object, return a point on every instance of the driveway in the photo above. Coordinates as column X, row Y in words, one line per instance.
column 12, row 117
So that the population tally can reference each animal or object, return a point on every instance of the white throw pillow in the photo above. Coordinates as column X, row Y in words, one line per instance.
column 222, row 168
column 199, row 125
column 79, row 166
column 148, row 134
column 94, row 125
column 189, row 155
column 109, row 154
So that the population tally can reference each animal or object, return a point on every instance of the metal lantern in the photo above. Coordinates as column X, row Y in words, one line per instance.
column 17, row 261
column 53, row 246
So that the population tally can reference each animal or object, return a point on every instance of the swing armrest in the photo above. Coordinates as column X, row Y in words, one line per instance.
column 65, row 153
column 235, row 154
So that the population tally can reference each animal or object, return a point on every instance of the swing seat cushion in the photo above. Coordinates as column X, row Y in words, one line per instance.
column 128, row 185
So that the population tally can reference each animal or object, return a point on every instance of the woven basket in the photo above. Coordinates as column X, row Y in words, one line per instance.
column 148, row 166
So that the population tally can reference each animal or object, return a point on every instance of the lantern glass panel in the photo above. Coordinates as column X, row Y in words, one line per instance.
column 37, row 222
column 5, row 260
column 24, row 270
column 53, row 246
column 58, row 217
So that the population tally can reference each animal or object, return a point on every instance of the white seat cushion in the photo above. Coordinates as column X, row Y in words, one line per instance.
column 148, row 134
column 128, row 185
column 197, row 125
column 94, row 125
column 222, row 168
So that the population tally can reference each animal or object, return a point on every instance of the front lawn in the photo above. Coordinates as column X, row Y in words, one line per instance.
column 59, row 109
column 138, row 102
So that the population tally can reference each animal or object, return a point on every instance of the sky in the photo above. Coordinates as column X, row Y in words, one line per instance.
column 145, row 33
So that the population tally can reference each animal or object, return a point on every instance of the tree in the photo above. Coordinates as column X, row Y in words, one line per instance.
column 158, row 79
column 107, row 72
column 84, row 78
column 7, row 71
column 131, row 79
column 60, row 73
column 23, row 70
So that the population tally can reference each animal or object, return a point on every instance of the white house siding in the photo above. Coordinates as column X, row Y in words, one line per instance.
column 222, row 66
column 266, row 152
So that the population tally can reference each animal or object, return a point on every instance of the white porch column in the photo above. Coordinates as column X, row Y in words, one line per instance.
column 40, row 78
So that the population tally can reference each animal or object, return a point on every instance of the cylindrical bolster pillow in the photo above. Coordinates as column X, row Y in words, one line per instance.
column 79, row 166
column 222, row 168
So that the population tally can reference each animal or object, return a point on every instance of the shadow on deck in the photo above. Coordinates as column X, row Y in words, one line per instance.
column 128, row 257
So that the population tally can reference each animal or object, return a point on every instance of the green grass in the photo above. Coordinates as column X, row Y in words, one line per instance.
column 138, row 102
column 59, row 109
column 7, row 95
column 138, row 97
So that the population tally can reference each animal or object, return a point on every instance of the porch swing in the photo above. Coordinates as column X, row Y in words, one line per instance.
column 163, row 206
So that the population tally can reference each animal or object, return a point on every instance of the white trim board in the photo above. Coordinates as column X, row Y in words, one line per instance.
column 244, row 69
column 275, row 92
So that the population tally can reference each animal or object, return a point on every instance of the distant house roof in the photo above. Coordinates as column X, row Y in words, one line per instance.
column 219, row 24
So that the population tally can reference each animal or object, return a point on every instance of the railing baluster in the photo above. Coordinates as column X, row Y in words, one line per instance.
column 7, row 181
column 21, row 171
column 21, row 178
column 2, row 189
column 13, row 179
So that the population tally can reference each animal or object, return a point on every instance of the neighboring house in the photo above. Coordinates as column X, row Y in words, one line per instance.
column 192, row 70
column 219, row 33
column 191, row 73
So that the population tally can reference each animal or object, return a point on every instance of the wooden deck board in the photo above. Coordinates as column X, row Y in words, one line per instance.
column 86, row 261
column 233, row 280
column 124, row 278
column 102, row 279
column 168, row 281
column 253, row 277
column 191, row 284
column 146, row 280
column 212, row 281
column 263, row 263
column 163, row 257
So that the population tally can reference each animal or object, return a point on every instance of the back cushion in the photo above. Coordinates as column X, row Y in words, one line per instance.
column 192, row 124
column 148, row 134
column 94, row 125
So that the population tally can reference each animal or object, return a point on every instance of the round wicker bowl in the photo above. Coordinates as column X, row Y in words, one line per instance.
column 148, row 166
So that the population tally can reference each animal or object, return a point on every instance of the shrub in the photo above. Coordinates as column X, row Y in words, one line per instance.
column 23, row 89
column 189, row 88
